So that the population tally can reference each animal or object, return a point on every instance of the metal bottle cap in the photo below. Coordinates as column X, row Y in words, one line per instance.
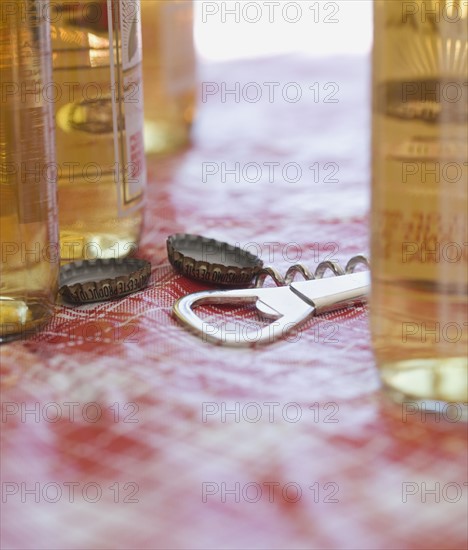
column 212, row 261
column 99, row 280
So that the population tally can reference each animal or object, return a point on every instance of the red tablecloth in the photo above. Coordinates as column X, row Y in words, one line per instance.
column 131, row 444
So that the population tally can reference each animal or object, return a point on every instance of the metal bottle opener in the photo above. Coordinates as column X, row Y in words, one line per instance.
column 288, row 306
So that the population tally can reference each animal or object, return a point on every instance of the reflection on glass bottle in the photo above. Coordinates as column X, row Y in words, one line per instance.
column 99, row 118
column 169, row 70
column 28, row 217
column 419, row 198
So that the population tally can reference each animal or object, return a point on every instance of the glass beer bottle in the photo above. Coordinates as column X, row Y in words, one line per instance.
column 28, row 217
column 99, row 124
column 169, row 71
column 419, row 199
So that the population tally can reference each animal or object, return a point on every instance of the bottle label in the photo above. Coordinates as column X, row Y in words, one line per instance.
column 130, row 19
column 127, row 102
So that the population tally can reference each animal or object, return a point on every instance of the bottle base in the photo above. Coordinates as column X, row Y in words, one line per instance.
column 20, row 319
column 429, row 383
column 164, row 138
column 79, row 246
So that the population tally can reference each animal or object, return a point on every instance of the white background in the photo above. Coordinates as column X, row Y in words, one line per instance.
column 240, row 29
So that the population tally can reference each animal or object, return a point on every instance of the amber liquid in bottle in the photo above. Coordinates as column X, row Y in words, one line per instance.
column 28, row 217
column 99, row 124
column 169, row 70
column 419, row 199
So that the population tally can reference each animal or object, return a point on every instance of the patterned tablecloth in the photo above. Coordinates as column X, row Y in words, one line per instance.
column 122, row 430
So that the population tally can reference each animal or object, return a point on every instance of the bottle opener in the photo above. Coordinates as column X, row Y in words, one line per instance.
column 288, row 306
